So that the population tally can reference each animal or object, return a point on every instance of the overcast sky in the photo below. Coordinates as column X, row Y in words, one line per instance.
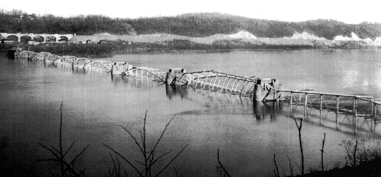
column 347, row 11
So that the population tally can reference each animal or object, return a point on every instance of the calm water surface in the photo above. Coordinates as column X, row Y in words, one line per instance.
column 248, row 135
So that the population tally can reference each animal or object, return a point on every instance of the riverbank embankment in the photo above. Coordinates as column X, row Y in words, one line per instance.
column 107, row 45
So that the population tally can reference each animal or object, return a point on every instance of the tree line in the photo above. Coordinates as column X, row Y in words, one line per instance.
column 194, row 25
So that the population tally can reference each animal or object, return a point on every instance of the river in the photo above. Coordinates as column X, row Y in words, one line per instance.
column 95, row 106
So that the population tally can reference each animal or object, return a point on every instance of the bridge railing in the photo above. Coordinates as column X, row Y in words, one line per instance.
column 348, row 109
column 361, row 106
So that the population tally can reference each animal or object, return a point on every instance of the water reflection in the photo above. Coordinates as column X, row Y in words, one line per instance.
column 176, row 91
column 267, row 110
column 350, row 78
column 135, row 82
column 378, row 78
column 224, row 103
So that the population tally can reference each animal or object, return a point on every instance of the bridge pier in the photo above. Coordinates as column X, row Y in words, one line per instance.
column 173, row 75
column 265, row 90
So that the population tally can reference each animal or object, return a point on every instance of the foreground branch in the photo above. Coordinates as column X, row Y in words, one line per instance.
column 60, row 154
column 219, row 162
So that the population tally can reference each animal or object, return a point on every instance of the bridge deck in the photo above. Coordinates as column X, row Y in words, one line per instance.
column 219, row 82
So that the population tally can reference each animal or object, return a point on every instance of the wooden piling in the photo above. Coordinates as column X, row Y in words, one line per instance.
column 243, row 86
column 247, row 86
column 372, row 115
column 215, row 81
column 276, row 98
column 305, row 104
column 234, row 83
column 219, row 81
column 321, row 107
column 291, row 103
column 375, row 111
column 259, row 91
column 337, row 108
column 206, row 80
column 355, row 114
column 375, row 115
column 236, row 86
column 227, row 85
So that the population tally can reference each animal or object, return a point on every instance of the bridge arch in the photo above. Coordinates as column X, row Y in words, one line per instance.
column 13, row 38
column 25, row 38
column 62, row 39
column 51, row 39
column 38, row 38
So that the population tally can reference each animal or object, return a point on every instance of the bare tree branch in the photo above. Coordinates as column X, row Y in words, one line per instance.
column 291, row 170
column 161, row 136
column 76, row 157
column 322, row 154
column 172, row 160
column 276, row 171
column 158, row 158
column 120, row 155
column 299, row 126
column 219, row 162
column 133, row 137
column 69, row 148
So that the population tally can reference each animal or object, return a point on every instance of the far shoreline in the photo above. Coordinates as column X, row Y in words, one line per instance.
column 111, row 48
column 137, row 51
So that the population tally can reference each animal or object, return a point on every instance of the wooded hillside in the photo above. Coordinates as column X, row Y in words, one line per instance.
column 194, row 25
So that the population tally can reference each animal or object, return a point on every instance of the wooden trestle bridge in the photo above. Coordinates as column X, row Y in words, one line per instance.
column 356, row 110
column 357, row 106
column 308, row 103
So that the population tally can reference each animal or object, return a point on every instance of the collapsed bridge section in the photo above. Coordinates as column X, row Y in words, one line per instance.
column 353, row 111
column 215, row 81
column 209, row 80
column 219, row 82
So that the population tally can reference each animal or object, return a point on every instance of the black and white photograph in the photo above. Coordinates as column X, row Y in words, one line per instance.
column 195, row 88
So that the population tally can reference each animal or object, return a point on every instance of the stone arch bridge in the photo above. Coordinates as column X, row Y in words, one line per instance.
column 45, row 37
